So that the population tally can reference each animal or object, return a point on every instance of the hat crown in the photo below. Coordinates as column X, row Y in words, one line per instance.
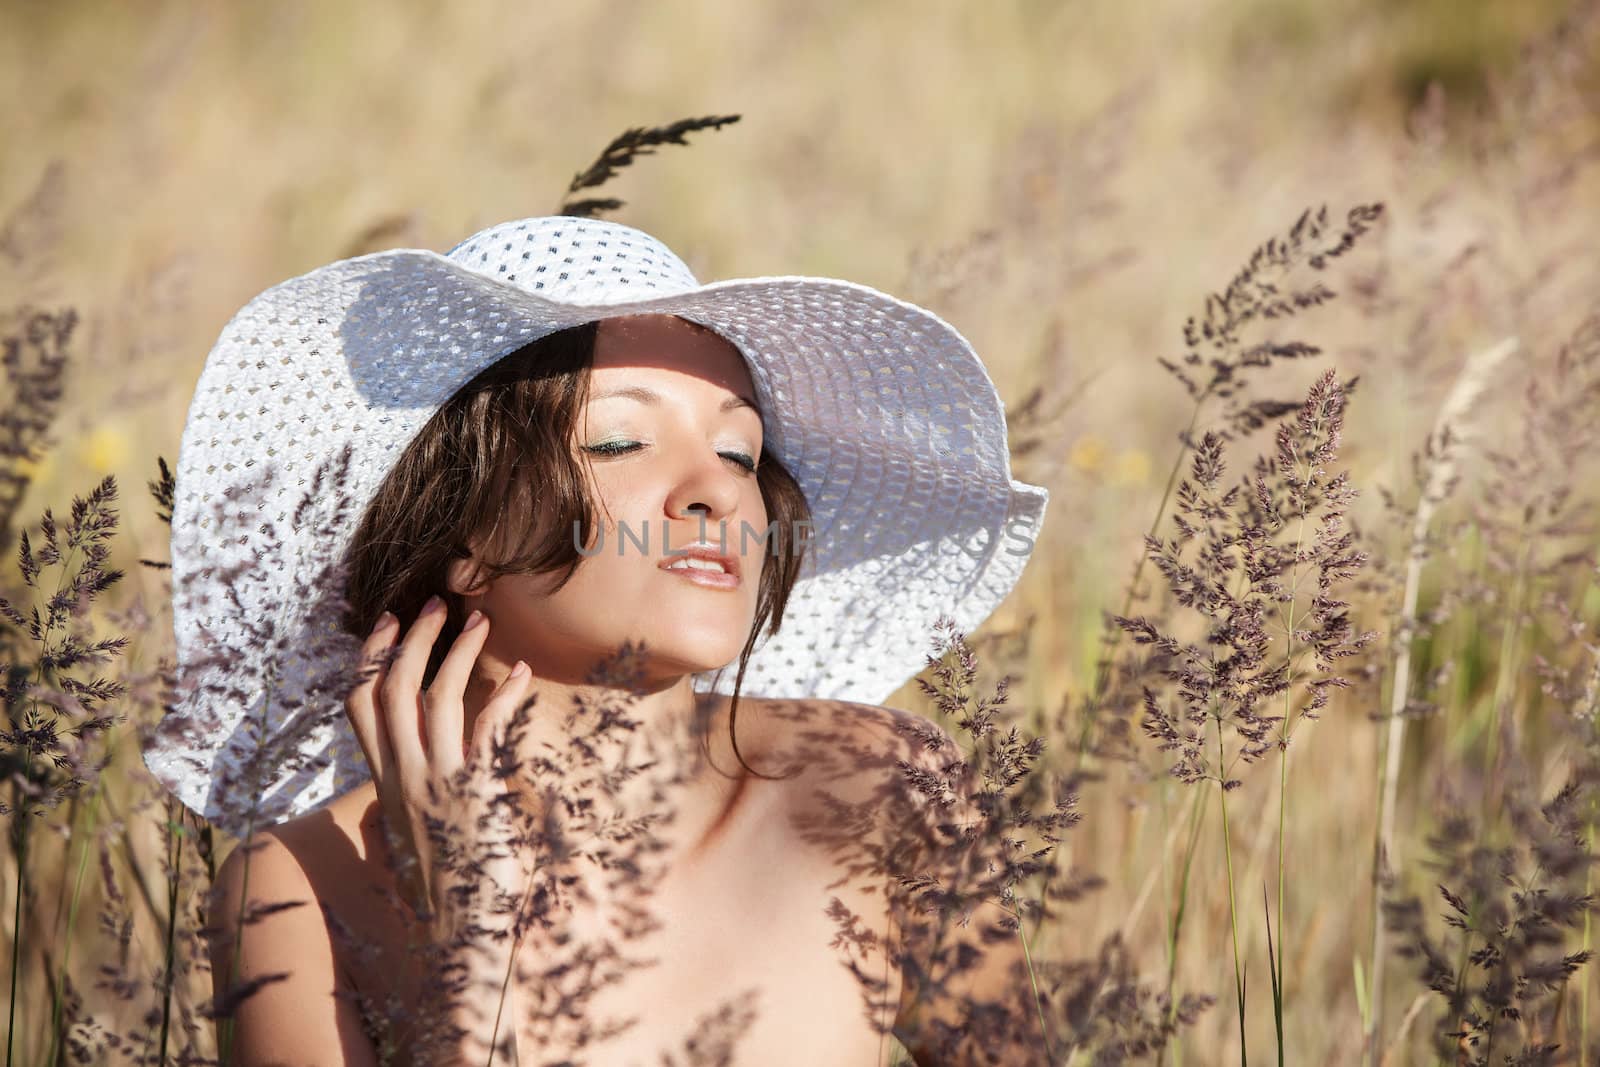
column 575, row 260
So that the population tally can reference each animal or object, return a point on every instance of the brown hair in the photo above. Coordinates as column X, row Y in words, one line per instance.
column 503, row 445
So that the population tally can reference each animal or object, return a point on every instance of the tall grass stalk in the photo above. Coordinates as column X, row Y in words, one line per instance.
column 1227, row 565
column 85, row 835
column 1179, row 909
column 1588, row 931
column 1253, row 294
column 1304, row 448
column 1302, row 454
column 1589, row 718
column 1033, row 975
column 20, row 888
column 175, row 832
column 1497, row 717
column 1443, row 452
column 1176, row 937
column 1276, row 964
column 24, row 813
column 1306, row 472
column 1274, row 969
column 1233, row 911
column 1215, row 340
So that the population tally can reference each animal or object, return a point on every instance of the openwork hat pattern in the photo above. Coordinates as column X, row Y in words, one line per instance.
column 880, row 409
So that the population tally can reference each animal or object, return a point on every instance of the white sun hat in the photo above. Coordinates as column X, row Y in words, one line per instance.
column 880, row 409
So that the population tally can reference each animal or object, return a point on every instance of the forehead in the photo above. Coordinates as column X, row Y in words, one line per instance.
column 668, row 344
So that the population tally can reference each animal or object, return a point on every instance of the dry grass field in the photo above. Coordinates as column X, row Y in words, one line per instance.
column 1070, row 185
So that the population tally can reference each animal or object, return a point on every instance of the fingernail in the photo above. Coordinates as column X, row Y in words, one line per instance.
column 519, row 670
column 384, row 620
column 472, row 620
column 432, row 606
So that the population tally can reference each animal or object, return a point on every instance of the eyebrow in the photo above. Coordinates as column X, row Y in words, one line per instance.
column 650, row 396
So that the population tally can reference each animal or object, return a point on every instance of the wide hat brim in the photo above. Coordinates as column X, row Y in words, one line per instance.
column 879, row 408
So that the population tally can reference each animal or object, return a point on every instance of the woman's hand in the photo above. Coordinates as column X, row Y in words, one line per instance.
column 452, row 823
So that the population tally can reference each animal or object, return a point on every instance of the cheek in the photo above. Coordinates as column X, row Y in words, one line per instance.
column 626, row 498
column 761, row 520
column 754, row 505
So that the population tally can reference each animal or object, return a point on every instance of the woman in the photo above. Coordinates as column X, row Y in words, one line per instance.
column 486, row 468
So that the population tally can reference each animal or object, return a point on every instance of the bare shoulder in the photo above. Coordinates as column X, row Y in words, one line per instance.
column 276, row 969
column 869, row 781
column 833, row 740
column 264, row 888
column 262, row 868
column 305, row 851
column 896, row 807
column 287, row 878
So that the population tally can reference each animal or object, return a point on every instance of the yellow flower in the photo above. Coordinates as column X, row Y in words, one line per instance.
column 1088, row 454
column 1132, row 468
column 102, row 449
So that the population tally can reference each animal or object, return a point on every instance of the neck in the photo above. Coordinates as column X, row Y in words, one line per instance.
column 631, row 750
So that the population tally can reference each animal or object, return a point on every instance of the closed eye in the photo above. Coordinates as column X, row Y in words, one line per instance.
column 613, row 448
column 741, row 459
column 622, row 448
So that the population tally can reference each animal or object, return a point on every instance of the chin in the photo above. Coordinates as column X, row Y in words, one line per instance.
column 702, row 630
column 682, row 654
column 676, row 642
column 685, row 645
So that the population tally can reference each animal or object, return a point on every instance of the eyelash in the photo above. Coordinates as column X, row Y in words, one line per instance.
column 610, row 448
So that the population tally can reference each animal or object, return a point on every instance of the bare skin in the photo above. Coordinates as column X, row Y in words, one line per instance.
column 766, row 888
column 748, row 912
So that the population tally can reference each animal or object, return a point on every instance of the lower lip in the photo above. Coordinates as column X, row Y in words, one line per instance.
column 709, row 579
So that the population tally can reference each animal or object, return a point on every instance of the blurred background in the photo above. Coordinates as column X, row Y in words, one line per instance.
column 1064, row 182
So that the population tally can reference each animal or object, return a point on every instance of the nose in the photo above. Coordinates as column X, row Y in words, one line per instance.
column 707, row 486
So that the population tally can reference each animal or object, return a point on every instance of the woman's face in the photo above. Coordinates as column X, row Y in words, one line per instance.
column 671, row 434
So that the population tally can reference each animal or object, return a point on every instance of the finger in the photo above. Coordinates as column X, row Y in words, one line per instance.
column 362, row 705
column 445, row 695
column 499, row 711
column 401, row 696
